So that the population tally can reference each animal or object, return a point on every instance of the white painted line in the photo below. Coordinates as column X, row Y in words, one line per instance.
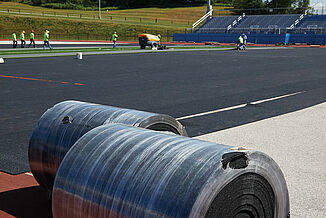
column 211, row 112
column 237, row 106
column 29, row 174
column 275, row 98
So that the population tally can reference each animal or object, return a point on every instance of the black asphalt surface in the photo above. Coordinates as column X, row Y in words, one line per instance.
column 173, row 83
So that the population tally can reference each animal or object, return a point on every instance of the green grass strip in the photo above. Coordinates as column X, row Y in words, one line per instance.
column 63, row 50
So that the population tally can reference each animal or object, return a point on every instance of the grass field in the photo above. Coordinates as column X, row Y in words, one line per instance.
column 79, row 24
column 164, row 15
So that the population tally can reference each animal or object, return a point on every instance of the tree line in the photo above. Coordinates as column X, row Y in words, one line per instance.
column 112, row 4
column 271, row 6
column 240, row 6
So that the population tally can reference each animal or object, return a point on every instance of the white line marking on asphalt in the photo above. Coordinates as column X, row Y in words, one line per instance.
column 211, row 112
column 238, row 106
column 276, row 98
column 30, row 174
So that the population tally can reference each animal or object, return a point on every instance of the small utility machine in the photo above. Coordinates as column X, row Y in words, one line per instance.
column 150, row 40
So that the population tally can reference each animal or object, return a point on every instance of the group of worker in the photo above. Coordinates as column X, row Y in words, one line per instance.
column 242, row 42
column 46, row 37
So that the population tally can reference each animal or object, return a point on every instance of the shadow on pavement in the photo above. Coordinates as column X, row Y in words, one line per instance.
column 26, row 202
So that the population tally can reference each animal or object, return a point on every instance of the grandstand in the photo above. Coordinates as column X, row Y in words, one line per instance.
column 217, row 24
column 263, row 29
column 248, row 23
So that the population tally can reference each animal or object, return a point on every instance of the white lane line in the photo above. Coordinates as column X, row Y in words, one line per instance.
column 275, row 98
column 211, row 112
column 237, row 106
column 30, row 174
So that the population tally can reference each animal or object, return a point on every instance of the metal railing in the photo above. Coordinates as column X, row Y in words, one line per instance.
column 297, row 21
column 316, row 30
column 235, row 22
column 203, row 18
column 263, row 11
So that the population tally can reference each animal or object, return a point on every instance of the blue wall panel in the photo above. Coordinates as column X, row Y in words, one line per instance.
column 320, row 40
column 253, row 38
column 298, row 38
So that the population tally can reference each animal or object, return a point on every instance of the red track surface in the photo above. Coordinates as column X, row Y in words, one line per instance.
column 21, row 196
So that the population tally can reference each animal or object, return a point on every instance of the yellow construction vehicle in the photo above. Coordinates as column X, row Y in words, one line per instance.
column 149, row 40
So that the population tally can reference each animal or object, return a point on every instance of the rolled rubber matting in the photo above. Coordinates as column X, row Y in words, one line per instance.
column 63, row 124
column 116, row 170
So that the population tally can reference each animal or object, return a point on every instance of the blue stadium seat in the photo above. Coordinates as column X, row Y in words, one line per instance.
column 266, row 21
column 312, row 23
column 249, row 23
column 216, row 24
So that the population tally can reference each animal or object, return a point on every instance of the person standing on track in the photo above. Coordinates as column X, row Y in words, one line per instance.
column 114, row 39
column 46, row 39
column 240, row 43
column 22, row 39
column 32, row 37
column 14, row 40
column 244, row 36
column 159, row 36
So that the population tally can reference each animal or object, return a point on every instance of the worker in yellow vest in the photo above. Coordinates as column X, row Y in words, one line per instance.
column 240, row 43
column 32, row 39
column 46, row 39
column 114, row 39
column 22, row 39
column 14, row 40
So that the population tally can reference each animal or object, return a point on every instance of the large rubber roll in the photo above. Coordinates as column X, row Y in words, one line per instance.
column 122, row 171
column 63, row 124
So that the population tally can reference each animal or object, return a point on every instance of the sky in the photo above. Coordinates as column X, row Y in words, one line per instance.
column 319, row 6
column 312, row 2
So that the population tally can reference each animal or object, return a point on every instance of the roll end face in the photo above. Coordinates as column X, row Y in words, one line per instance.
column 162, row 122
column 250, row 173
column 265, row 166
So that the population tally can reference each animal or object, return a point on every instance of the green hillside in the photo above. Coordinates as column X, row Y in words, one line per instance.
column 83, row 24
column 78, row 30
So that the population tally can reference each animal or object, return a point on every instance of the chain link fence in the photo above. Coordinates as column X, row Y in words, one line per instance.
column 260, row 11
column 105, row 16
